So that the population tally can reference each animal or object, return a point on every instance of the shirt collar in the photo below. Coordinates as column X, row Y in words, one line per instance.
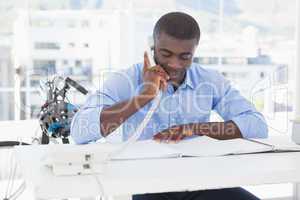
column 188, row 79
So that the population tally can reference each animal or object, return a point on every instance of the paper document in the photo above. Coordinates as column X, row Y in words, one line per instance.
column 147, row 149
column 199, row 147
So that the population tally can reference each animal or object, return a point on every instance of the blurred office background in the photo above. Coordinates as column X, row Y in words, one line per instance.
column 251, row 42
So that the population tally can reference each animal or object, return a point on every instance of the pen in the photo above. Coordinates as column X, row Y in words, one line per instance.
column 251, row 140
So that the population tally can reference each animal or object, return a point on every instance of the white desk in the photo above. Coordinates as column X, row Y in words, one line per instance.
column 130, row 177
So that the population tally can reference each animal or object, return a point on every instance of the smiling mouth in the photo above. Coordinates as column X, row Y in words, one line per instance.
column 175, row 74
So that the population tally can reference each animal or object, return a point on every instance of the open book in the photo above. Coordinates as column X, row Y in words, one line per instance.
column 68, row 159
column 202, row 146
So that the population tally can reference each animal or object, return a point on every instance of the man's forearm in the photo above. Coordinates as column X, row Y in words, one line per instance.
column 218, row 130
column 112, row 117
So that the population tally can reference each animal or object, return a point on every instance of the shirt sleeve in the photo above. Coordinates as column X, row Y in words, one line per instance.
column 85, row 126
column 231, row 105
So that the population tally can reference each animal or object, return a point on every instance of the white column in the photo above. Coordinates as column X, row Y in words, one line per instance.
column 296, row 121
column 296, row 191
column 297, row 77
column 221, row 46
column 17, row 96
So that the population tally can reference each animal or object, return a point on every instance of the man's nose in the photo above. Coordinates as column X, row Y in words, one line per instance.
column 174, row 63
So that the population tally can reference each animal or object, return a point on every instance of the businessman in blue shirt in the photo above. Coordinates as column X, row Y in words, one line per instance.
column 189, row 94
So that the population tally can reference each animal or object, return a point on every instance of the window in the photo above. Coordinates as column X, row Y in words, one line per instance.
column 78, row 63
column 65, row 62
column 86, row 45
column 71, row 45
column 238, row 38
column 71, row 23
column 46, row 45
column 85, row 24
column 7, row 105
column 44, row 67
column 38, row 23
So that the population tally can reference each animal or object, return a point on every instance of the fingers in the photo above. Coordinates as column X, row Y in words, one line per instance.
column 154, row 75
column 164, row 76
column 162, row 137
column 163, row 84
column 147, row 64
column 168, row 137
column 158, row 71
column 158, row 137
column 179, row 138
column 163, row 72
column 157, row 68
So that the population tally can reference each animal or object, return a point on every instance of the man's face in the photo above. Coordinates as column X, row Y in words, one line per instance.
column 174, row 55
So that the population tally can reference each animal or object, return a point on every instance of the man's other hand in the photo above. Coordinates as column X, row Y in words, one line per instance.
column 173, row 134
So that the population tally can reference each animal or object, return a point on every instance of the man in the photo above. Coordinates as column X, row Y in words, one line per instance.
column 189, row 94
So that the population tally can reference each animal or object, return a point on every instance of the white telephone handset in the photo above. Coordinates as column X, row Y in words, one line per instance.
column 135, row 136
column 150, row 51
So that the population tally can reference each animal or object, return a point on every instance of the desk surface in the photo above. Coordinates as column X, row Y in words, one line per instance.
column 160, row 175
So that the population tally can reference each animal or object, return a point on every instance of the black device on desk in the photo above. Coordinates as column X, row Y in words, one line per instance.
column 56, row 114
column 11, row 143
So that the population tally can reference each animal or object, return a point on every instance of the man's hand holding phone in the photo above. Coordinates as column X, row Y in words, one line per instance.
column 155, row 78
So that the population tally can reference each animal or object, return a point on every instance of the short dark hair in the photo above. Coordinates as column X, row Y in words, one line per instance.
column 178, row 25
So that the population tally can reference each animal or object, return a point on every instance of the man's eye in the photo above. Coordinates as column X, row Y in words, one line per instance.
column 186, row 57
column 166, row 54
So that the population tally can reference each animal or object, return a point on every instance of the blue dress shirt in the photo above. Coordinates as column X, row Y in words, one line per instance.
column 201, row 92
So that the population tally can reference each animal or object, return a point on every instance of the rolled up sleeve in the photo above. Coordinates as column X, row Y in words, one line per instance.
column 85, row 126
column 251, row 125
column 231, row 105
